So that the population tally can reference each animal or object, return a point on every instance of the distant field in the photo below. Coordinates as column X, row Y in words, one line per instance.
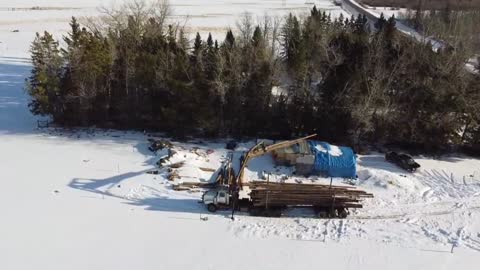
column 20, row 19
column 427, row 4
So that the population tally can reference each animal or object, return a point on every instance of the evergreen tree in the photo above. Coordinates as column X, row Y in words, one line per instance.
column 74, row 35
column 209, row 41
column 346, row 84
column 293, row 50
column 43, row 85
column 380, row 22
column 361, row 25
column 183, row 41
column 257, row 39
column 197, row 45
column 314, row 12
column 390, row 28
column 230, row 39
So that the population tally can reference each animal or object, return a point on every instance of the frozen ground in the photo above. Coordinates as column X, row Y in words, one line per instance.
column 81, row 199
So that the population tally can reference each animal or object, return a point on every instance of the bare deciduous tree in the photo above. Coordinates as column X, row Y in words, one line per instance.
column 117, row 17
column 245, row 27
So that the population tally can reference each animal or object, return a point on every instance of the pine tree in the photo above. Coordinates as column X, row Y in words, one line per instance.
column 211, row 59
column 324, row 17
column 196, row 57
column 197, row 45
column 344, row 83
column 292, row 46
column 341, row 20
column 171, row 37
column 74, row 35
column 257, row 39
column 86, row 81
column 229, row 39
column 360, row 25
column 314, row 12
column 380, row 22
column 418, row 20
column 183, row 42
column 43, row 85
column 209, row 41
column 390, row 28
column 231, row 77
column 258, row 91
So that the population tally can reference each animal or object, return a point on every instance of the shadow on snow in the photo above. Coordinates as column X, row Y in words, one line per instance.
column 15, row 116
column 159, row 203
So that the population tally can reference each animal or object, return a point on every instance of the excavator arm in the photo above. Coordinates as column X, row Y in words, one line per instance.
column 260, row 150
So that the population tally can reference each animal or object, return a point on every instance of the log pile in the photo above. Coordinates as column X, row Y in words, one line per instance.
column 191, row 186
column 264, row 194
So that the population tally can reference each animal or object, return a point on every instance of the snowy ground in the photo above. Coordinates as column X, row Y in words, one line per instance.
column 81, row 199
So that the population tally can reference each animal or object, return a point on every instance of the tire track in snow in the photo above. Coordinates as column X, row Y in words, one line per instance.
column 430, row 213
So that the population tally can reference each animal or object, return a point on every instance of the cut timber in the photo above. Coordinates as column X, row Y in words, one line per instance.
column 191, row 185
column 286, row 194
column 177, row 165
column 207, row 169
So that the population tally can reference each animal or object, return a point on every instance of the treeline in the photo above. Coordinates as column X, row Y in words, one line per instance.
column 344, row 79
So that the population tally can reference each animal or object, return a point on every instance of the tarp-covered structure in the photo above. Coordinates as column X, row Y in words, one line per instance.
column 316, row 157
column 334, row 161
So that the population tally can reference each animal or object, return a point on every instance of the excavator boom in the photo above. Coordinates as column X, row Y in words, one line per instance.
column 260, row 149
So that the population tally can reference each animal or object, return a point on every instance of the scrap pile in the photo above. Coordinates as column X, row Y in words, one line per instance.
column 287, row 194
column 156, row 145
column 226, row 175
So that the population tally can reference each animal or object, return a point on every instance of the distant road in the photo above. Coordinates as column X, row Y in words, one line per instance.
column 354, row 8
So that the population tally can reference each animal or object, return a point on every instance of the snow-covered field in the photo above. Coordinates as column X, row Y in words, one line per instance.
column 81, row 199
column 204, row 16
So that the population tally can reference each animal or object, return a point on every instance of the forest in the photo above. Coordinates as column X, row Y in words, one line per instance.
column 345, row 79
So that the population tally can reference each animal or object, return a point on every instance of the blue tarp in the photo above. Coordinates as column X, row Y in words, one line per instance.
column 334, row 161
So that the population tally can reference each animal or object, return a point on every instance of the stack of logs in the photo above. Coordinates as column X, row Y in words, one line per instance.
column 286, row 194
